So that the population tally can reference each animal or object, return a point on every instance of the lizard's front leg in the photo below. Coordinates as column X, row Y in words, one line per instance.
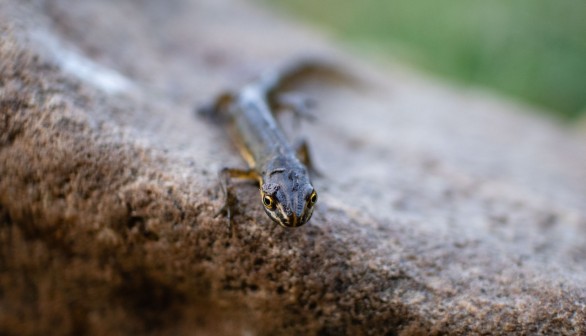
column 225, row 175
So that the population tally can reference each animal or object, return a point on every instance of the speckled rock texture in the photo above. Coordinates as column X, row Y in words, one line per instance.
column 442, row 210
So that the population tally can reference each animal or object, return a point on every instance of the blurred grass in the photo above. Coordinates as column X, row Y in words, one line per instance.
column 531, row 49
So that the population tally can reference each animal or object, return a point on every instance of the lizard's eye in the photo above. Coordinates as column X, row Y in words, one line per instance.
column 268, row 201
column 313, row 199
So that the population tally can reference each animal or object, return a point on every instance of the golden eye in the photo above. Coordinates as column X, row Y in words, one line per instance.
column 312, row 199
column 268, row 201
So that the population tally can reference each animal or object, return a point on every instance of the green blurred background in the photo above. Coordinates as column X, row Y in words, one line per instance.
column 532, row 50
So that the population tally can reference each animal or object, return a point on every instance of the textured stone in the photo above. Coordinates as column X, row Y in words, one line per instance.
column 442, row 210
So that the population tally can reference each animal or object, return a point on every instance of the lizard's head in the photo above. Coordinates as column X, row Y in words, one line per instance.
column 288, row 196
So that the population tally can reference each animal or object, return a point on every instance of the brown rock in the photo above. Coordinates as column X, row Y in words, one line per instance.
column 442, row 211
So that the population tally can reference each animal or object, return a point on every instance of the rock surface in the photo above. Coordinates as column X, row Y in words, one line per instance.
column 442, row 210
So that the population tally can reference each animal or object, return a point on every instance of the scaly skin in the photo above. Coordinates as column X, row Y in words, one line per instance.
column 286, row 191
